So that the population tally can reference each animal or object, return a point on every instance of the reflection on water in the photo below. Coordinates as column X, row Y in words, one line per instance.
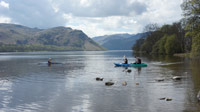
column 27, row 83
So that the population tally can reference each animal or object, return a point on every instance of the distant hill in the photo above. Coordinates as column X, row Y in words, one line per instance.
column 21, row 38
column 119, row 41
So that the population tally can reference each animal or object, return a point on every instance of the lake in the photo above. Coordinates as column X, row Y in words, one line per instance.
column 28, row 83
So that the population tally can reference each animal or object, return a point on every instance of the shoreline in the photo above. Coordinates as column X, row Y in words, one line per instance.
column 182, row 55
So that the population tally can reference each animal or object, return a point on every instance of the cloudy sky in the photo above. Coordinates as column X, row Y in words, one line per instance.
column 94, row 17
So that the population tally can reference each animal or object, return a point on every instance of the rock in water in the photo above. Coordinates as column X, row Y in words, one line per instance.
column 109, row 83
column 128, row 70
column 159, row 80
column 168, row 99
column 124, row 83
column 176, row 78
column 162, row 98
column 99, row 79
column 198, row 96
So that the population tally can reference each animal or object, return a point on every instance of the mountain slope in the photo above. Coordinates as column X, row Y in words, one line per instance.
column 119, row 41
column 61, row 38
column 10, row 33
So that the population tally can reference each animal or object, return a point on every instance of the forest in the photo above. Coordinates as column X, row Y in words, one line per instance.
column 180, row 37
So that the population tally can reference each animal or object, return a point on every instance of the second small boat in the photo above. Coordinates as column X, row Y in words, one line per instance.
column 130, row 65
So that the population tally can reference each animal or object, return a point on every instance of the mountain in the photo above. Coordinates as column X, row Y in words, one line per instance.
column 119, row 41
column 55, row 39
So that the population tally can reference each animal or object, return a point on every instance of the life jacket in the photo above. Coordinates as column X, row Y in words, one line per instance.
column 126, row 61
column 139, row 61
column 49, row 61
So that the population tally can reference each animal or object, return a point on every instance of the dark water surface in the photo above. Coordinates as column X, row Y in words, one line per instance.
column 27, row 83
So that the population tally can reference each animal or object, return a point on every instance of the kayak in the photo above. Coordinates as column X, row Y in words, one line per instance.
column 130, row 65
column 53, row 63
column 44, row 63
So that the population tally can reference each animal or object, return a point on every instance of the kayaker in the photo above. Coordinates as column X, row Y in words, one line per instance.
column 125, row 60
column 49, row 61
column 138, row 60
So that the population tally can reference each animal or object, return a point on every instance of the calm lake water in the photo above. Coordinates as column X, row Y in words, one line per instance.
column 27, row 83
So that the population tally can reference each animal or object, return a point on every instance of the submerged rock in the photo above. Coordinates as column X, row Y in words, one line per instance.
column 198, row 96
column 124, row 83
column 176, row 78
column 162, row 98
column 159, row 80
column 99, row 79
column 128, row 70
column 168, row 99
column 109, row 83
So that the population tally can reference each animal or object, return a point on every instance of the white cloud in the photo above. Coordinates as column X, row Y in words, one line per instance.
column 165, row 11
column 5, row 19
column 55, row 8
column 100, row 8
column 94, row 26
column 85, row 3
column 4, row 4
column 130, row 21
column 94, row 17
column 42, row 14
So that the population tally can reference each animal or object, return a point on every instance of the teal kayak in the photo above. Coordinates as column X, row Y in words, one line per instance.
column 130, row 65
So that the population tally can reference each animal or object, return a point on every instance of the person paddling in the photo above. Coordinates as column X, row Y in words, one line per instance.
column 49, row 61
column 138, row 60
column 125, row 60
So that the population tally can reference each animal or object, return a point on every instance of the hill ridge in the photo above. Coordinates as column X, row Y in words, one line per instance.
column 122, row 41
column 64, row 37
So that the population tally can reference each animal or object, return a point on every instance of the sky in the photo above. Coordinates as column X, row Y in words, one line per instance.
column 93, row 17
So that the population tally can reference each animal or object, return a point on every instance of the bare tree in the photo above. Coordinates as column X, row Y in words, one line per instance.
column 151, row 27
